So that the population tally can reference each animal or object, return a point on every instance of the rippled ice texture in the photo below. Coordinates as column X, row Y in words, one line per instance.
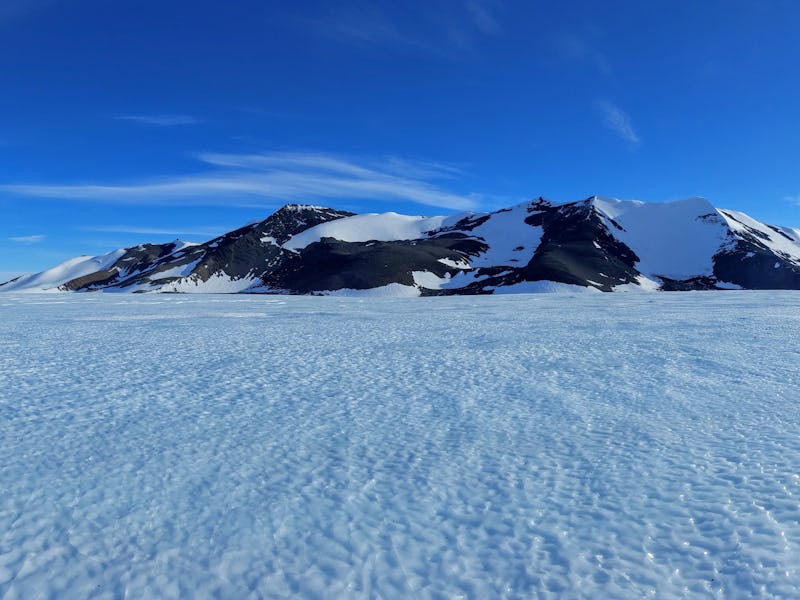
column 626, row 445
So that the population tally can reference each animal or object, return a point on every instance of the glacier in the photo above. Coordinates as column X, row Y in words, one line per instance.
column 555, row 445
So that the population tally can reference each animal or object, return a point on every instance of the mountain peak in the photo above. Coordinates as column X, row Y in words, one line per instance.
column 296, row 208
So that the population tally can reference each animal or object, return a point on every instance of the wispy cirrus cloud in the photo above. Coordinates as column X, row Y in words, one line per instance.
column 618, row 121
column 581, row 49
column 482, row 18
column 234, row 179
column 437, row 28
column 160, row 120
column 28, row 239
column 792, row 199
column 13, row 10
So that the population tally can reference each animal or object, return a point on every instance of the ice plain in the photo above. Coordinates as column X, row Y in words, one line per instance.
column 585, row 446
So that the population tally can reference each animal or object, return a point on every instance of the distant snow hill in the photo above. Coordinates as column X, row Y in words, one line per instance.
column 595, row 244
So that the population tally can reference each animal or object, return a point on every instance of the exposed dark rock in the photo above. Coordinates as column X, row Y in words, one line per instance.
column 688, row 285
column 249, row 251
column 332, row 264
column 754, row 267
column 577, row 248
column 99, row 279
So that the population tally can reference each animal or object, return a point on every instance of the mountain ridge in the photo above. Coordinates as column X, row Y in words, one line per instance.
column 595, row 244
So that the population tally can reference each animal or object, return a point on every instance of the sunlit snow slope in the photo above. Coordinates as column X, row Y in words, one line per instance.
column 74, row 268
column 570, row 446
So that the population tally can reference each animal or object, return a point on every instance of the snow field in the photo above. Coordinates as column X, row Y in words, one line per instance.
column 364, row 228
column 592, row 445
column 672, row 239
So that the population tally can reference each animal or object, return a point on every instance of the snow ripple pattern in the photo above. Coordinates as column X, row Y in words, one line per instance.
column 609, row 446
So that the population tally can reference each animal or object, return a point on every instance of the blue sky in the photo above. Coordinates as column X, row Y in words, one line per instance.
column 128, row 121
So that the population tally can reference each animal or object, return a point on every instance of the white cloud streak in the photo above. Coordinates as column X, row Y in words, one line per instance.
column 160, row 120
column 28, row 239
column 371, row 27
column 276, row 177
column 133, row 229
column 573, row 48
column 439, row 29
column 482, row 19
column 618, row 121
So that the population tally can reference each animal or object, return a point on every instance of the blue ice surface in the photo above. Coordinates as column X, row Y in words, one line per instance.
column 606, row 445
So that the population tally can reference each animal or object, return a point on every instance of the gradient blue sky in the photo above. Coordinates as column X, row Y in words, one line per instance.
column 124, row 121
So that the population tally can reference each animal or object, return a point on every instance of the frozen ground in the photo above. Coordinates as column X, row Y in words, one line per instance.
column 588, row 446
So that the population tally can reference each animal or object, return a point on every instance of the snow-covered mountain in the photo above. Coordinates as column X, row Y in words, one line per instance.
column 594, row 244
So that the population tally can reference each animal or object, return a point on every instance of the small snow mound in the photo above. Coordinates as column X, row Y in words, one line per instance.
column 431, row 281
column 643, row 284
column 544, row 287
column 393, row 290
